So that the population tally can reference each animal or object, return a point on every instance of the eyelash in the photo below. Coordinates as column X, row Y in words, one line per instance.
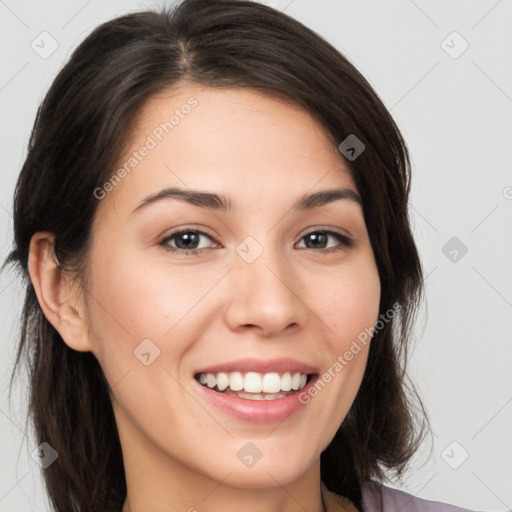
column 346, row 242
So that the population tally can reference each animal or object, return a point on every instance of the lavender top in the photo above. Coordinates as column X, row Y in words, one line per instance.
column 379, row 498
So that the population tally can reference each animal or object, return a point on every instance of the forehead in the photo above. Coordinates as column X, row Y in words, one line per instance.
column 228, row 140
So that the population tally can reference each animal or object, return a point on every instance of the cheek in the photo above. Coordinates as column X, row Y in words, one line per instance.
column 145, row 299
column 349, row 306
column 350, row 302
column 131, row 302
column 127, row 305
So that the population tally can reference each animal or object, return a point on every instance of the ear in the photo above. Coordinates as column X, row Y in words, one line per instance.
column 56, row 294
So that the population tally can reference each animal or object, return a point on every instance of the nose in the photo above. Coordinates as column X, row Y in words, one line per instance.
column 264, row 296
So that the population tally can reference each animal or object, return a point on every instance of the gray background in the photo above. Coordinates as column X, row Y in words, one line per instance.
column 455, row 112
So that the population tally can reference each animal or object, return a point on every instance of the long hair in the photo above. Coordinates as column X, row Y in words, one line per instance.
column 78, row 135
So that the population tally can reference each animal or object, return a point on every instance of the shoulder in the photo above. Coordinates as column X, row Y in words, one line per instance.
column 379, row 498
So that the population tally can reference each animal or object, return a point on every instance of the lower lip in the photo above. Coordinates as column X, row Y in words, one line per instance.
column 257, row 411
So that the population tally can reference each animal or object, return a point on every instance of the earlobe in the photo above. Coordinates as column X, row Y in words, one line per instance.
column 55, row 294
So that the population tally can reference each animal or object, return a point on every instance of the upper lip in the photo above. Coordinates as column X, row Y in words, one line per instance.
column 280, row 365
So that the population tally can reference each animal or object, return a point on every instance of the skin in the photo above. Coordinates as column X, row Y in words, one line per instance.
column 295, row 300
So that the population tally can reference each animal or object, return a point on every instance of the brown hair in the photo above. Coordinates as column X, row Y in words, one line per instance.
column 76, row 140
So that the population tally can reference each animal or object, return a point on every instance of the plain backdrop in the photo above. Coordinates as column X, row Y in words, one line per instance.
column 443, row 68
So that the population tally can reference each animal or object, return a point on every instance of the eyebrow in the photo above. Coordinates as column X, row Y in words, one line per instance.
column 220, row 202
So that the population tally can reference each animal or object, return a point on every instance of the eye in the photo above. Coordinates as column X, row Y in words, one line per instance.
column 320, row 240
column 187, row 241
column 190, row 241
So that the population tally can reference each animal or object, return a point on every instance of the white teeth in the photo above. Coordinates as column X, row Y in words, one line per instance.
column 250, row 396
column 211, row 381
column 252, row 382
column 271, row 383
column 222, row 381
column 296, row 381
column 256, row 396
column 286, row 382
column 273, row 396
column 236, row 381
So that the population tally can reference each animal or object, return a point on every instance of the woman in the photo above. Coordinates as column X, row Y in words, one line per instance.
column 221, row 276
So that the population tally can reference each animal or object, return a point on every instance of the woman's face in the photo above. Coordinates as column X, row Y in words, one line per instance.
column 259, row 284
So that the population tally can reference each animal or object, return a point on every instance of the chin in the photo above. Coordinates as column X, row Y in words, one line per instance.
column 250, row 467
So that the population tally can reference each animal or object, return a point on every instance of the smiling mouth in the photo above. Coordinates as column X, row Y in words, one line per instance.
column 253, row 385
